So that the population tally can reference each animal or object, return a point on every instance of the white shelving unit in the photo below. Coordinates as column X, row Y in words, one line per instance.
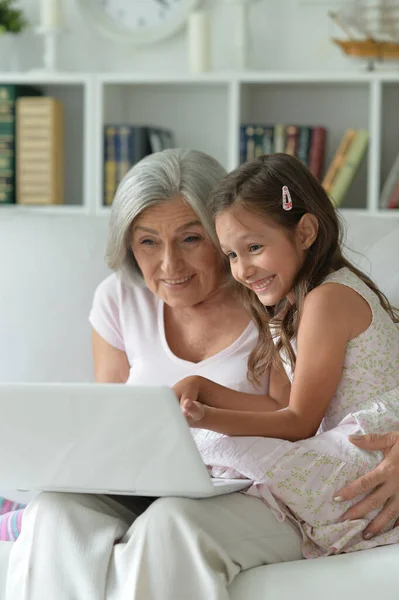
column 205, row 112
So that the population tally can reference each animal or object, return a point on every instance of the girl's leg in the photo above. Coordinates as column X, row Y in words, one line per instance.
column 177, row 549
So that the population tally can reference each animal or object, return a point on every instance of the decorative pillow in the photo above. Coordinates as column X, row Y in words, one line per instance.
column 10, row 519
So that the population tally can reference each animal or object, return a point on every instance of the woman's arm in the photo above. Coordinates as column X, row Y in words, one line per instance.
column 381, row 485
column 110, row 364
column 324, row 331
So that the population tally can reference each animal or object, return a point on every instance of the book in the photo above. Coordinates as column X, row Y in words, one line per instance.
column 249, row 143
column 394, row 197
column 259, row 137
column 291, row 139
column 279, row 138
column 347, row 172
column 304, row 141
column 9, row 94
column 390, row 183
column 243, row 145
column 268, row 140
column 124, row 146
column 339, row 159
column 40, row 151
column 317, row 151
column 110, row 165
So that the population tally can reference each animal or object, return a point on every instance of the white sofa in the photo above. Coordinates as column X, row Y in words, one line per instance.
column 369, row 575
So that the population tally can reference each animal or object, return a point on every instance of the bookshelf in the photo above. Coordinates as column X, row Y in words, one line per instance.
column 205, row 113
column 74, row 91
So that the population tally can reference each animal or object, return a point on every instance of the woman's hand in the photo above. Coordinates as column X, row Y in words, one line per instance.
column 188, row 392
column 382, row 483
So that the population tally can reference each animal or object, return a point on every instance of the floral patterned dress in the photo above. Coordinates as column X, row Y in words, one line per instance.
column 298, row 480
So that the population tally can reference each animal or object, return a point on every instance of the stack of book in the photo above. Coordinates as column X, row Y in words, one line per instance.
column 345, row 163
column 8, row 128
column 40, row 151
column 305, row 142
column 124, row 146
column 390, row 191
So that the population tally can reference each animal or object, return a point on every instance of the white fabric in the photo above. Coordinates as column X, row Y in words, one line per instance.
column 131, row 318
column 5, row 549
column 178, row 549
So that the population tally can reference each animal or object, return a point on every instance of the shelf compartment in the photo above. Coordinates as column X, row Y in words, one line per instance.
column 72, row 93
column 389, row 132
column 197, row 113
column 314, row 104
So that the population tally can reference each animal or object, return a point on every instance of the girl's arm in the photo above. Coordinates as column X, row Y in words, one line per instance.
column 217, row 396
column 328, row 321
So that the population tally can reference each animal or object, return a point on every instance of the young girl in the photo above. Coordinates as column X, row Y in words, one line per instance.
column 336, row 337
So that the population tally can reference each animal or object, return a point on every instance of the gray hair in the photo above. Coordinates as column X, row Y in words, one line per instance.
column 157, row 178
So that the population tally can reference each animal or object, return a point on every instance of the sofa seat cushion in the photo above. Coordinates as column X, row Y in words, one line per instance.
column 367, row 575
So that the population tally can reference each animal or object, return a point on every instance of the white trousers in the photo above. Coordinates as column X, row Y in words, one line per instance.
column 87, row 547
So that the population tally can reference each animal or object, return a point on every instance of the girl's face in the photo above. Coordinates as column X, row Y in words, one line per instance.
column 263, row 256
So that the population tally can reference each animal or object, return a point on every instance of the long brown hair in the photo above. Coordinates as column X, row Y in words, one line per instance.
column 257, row 186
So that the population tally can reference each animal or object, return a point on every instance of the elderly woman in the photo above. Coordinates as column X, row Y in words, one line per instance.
column 167, row 312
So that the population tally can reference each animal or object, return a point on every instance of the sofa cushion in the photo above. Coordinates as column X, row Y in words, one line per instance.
column 367, row 575
column 373, row 245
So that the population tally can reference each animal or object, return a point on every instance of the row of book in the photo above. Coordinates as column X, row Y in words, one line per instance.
column 31, row 147
column 345, row 163
column 305, row 142
column 124, row 146
column 308, row 143
column 390, row 191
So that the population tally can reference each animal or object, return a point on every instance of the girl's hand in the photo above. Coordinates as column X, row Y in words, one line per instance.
column 382, row 483
column 188, row 393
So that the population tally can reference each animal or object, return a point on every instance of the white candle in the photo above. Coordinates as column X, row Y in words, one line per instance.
column 50, row 14
column 199, row 42
column 241, row 37
column 240, row 33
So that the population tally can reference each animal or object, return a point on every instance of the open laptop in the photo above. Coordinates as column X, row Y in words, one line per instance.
column 101, row 438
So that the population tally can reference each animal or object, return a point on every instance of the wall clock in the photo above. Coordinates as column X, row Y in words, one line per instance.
column 138, row 22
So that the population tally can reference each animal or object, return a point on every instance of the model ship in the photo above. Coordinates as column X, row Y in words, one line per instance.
column 372, row 30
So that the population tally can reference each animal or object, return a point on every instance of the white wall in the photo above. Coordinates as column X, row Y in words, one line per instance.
column 285, row 34
column 49, row 268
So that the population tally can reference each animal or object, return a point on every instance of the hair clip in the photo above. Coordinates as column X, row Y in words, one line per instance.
column 287, row 201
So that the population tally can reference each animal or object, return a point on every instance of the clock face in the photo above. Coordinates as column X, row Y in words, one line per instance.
column 138, row 21
column 137, row 14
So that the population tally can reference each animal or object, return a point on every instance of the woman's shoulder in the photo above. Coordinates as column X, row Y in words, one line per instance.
column 116, row 291
column 120, row 309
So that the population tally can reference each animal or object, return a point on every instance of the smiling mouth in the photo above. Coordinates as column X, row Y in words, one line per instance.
column 262, row 284
column 178, row 281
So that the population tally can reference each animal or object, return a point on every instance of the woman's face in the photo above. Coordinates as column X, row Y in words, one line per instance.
column 179, row 263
